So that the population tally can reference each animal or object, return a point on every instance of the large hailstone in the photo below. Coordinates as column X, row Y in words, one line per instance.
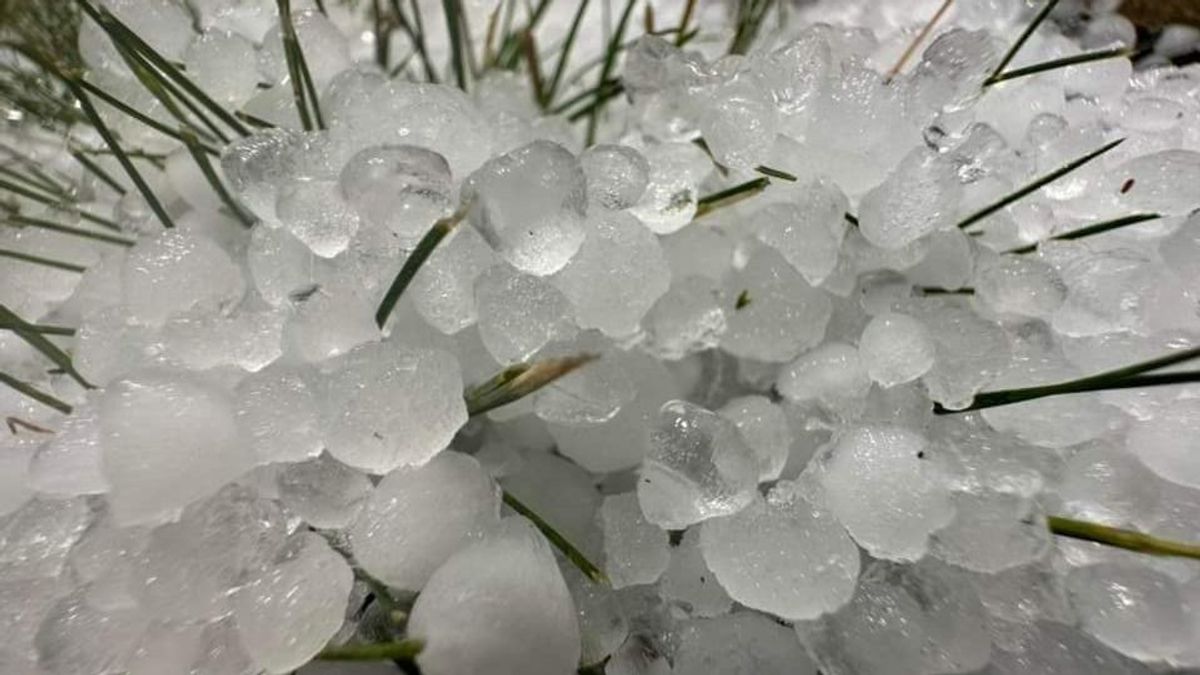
column 175, row 272
column 919, row 197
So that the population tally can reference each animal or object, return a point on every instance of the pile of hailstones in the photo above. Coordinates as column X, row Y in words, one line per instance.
column 752, row 461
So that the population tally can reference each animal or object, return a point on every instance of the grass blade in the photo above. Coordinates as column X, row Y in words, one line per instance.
column 97, row 171
column 775, row 173
column 1129, row 540
column 610, row 60
column 63, row 331
column 214, row 180
column 45, row 262
column 33, row 184
column 35, row 339
column 295, row 64
column 1036, row 185
column 517, row 382
column 561, row 67
column 454, row 27
column 1058, row 63
column 689, row 9
column 35, row 393
column 41, row 199
column 556, row 539
column 17, row 220
column 400, row 650
column 912, row 46
column 1090, row 230
column 729, row 196
column 420, row 254
column 1025, row 35
column 533, row 63
column 139, row 116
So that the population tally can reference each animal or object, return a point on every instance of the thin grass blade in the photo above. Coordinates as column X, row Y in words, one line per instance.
column 137, row 115
column 1090, row 230
column 912, row 46
column 67, row 208
column 610, row 60
column 577, row 558
column 27, row 332
column 1057, row 64
column 1129, row 540
column 729, row 196
column 44, row 262
column 214, row 180
column 35, row 393
column 96, row 170
column 1025, row 35
column 560, row 68
column 517, row 382
column 419, row 256
column 17, row 220
column 454, row 28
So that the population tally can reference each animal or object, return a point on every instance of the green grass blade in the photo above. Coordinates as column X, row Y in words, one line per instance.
column 1037, row 184
column 1129, row 540
column 1025, row 35
column 1090, row 230
column 599, row 95
column 17, row 220
column 63, row 331
column 214, row 181
column 729, row 196
column 560, row 68
column 419, row 256
column 290, row 53
column 44, row 262
column 137, row 115
column 1057, row 64
column 35, row 393
column 776, row 173
column 35, row 339
column 67, row 208
column 610, row 60
column 401, row 650
column 577, row 558
column 96, row 170
column 452, row 10
column 517, row 382
column 32, row 184
column 689, row 10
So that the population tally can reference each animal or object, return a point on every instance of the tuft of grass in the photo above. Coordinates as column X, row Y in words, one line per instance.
column 749, row 20
column 729, row 196
column 1129, row 540
column 1090, row 230
column 1024, row 37
column 517, row 382
column 58, row 205
column 308, row 107
column 440, row 230
column 1056, row 64
column 29, row 333
column 453, row 10
column 577, row 558
column 606, row 70
column 35, row 393
column 561, row 67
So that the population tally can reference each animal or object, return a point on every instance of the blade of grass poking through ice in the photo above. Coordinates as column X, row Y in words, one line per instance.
column 1128, row 377
column 295, row 59
column 509, row 52
column 214, row 181
column 560, row 68
column 29, row 333
column 1058, row 63
column 96, row 170
column 1025, row 35
column 689, row 9
column 610, row 60
column 19, row 221
column 35, row 393
column 750, row 16
column 775, row 173
column 916, row 42
column 729, row 196
column 451, row 8
column 67, row 208
column 1129, row 540
column 517, row 382
column 1090, row 230
column 1037, row 184
column 416, row 259
column 560, row 542
column 139, row 116
column 400, row 650
column 532, row 62
column 44, row 262
column 85, row 104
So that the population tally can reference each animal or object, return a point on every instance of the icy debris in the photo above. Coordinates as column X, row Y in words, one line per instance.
column 808, row 231
column 175, row 272
column 635, row 552
column 1133, row 609
column 918, row 198
column 895, row 349
column 277, row 408
column 764, row 427
column 740, row 644
column 781, row 316
column 323, row 491
column 518, row 313
column 401, row 188
column 617, row 175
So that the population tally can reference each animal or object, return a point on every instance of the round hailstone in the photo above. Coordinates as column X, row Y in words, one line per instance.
column 257, row 166
column 616, row 175
column 744, row 643
column 418, row 517
column 635, row 552
column 896, row 349
column 330, row 322
column 687, row 319
column 277, row 408
column 1168, row 444
column 402, row 188
column 782, row 555
column 388, row 406
column 498, row 606
column 765, row 429
column 176, row 272
column 286, row 612
column 698, row 467
column 880, row 486
column 833, row 374
column 1133, row 609
column 1161, row 182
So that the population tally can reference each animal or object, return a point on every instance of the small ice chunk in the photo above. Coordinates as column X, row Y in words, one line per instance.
column 387, row 406
column 518, row 313
column 316, row 213
column 76, row 638
column 326, row 47
column 1021, row 286
column 286, row 612
column 879, row 484
column 277, row 408
column 781, row 314
column 919, row 197
column 970, row 352
column 741, row 643
column 324, row 492
column 36, row 538
column 257, row 166
column 528, row 204
column 688, row 318
column 896, row 348
column 1160, row 182
column 152, row 479
column 402, row 188
column 765, row 429
column 617, row 175
column 807, row 231
column 443, row 291
column 689, row 584
column 498, row 606
column 1133, row 609
column 740, row 122
column 1168, row 444
column 331, row 321
column 833, row 374
column 618, row 274
column 991, row 532
column 669, row 202
column 216, row 61
column 69, row 463
column 175, row 272
column 418, row 517
column 280, row 264
column 635, row 552
column 698, row 467
column 782, row 555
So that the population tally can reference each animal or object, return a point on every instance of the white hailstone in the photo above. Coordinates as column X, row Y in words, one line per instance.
column 781, row 314
column 689, row 584
column 76, row 637
column 562, row 493
column 152, row 480
column 69, row 463
column 1020, row 285
column 880, row 485
column 1181, row 250
column 1103, row 482
column 316, row 213
column 782, row 555
column 323, row 491
column 949, row 261
column 1133, row 609
column 669, row 202
column 741, row 122
column 286, row 612
column 216, row 61
column 833, row 374
column 36, row 539
column 896, row 348
column 635, row 552
column 387, row 406
column 618, row 274
column 592, row 394
column 401, row 188
column 603, row 625
column 764, row 427
column 970, row 352
column 416, row 518
column 991, row 532
column 518, row 313
column 807, row 230
column 17, row 481
column 280, row 265
column 742, row 643
column 277, row 409
column 1161, row 182
column 529, row 205
column 698, row 467
column 919, row 197
column 330, row 321
column 687, row 319
column 617, row 175
column 258, row 166
column 704, row 252
column 498, row 606
column 1167, row 444
column 175, row 272
column 443, row 291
